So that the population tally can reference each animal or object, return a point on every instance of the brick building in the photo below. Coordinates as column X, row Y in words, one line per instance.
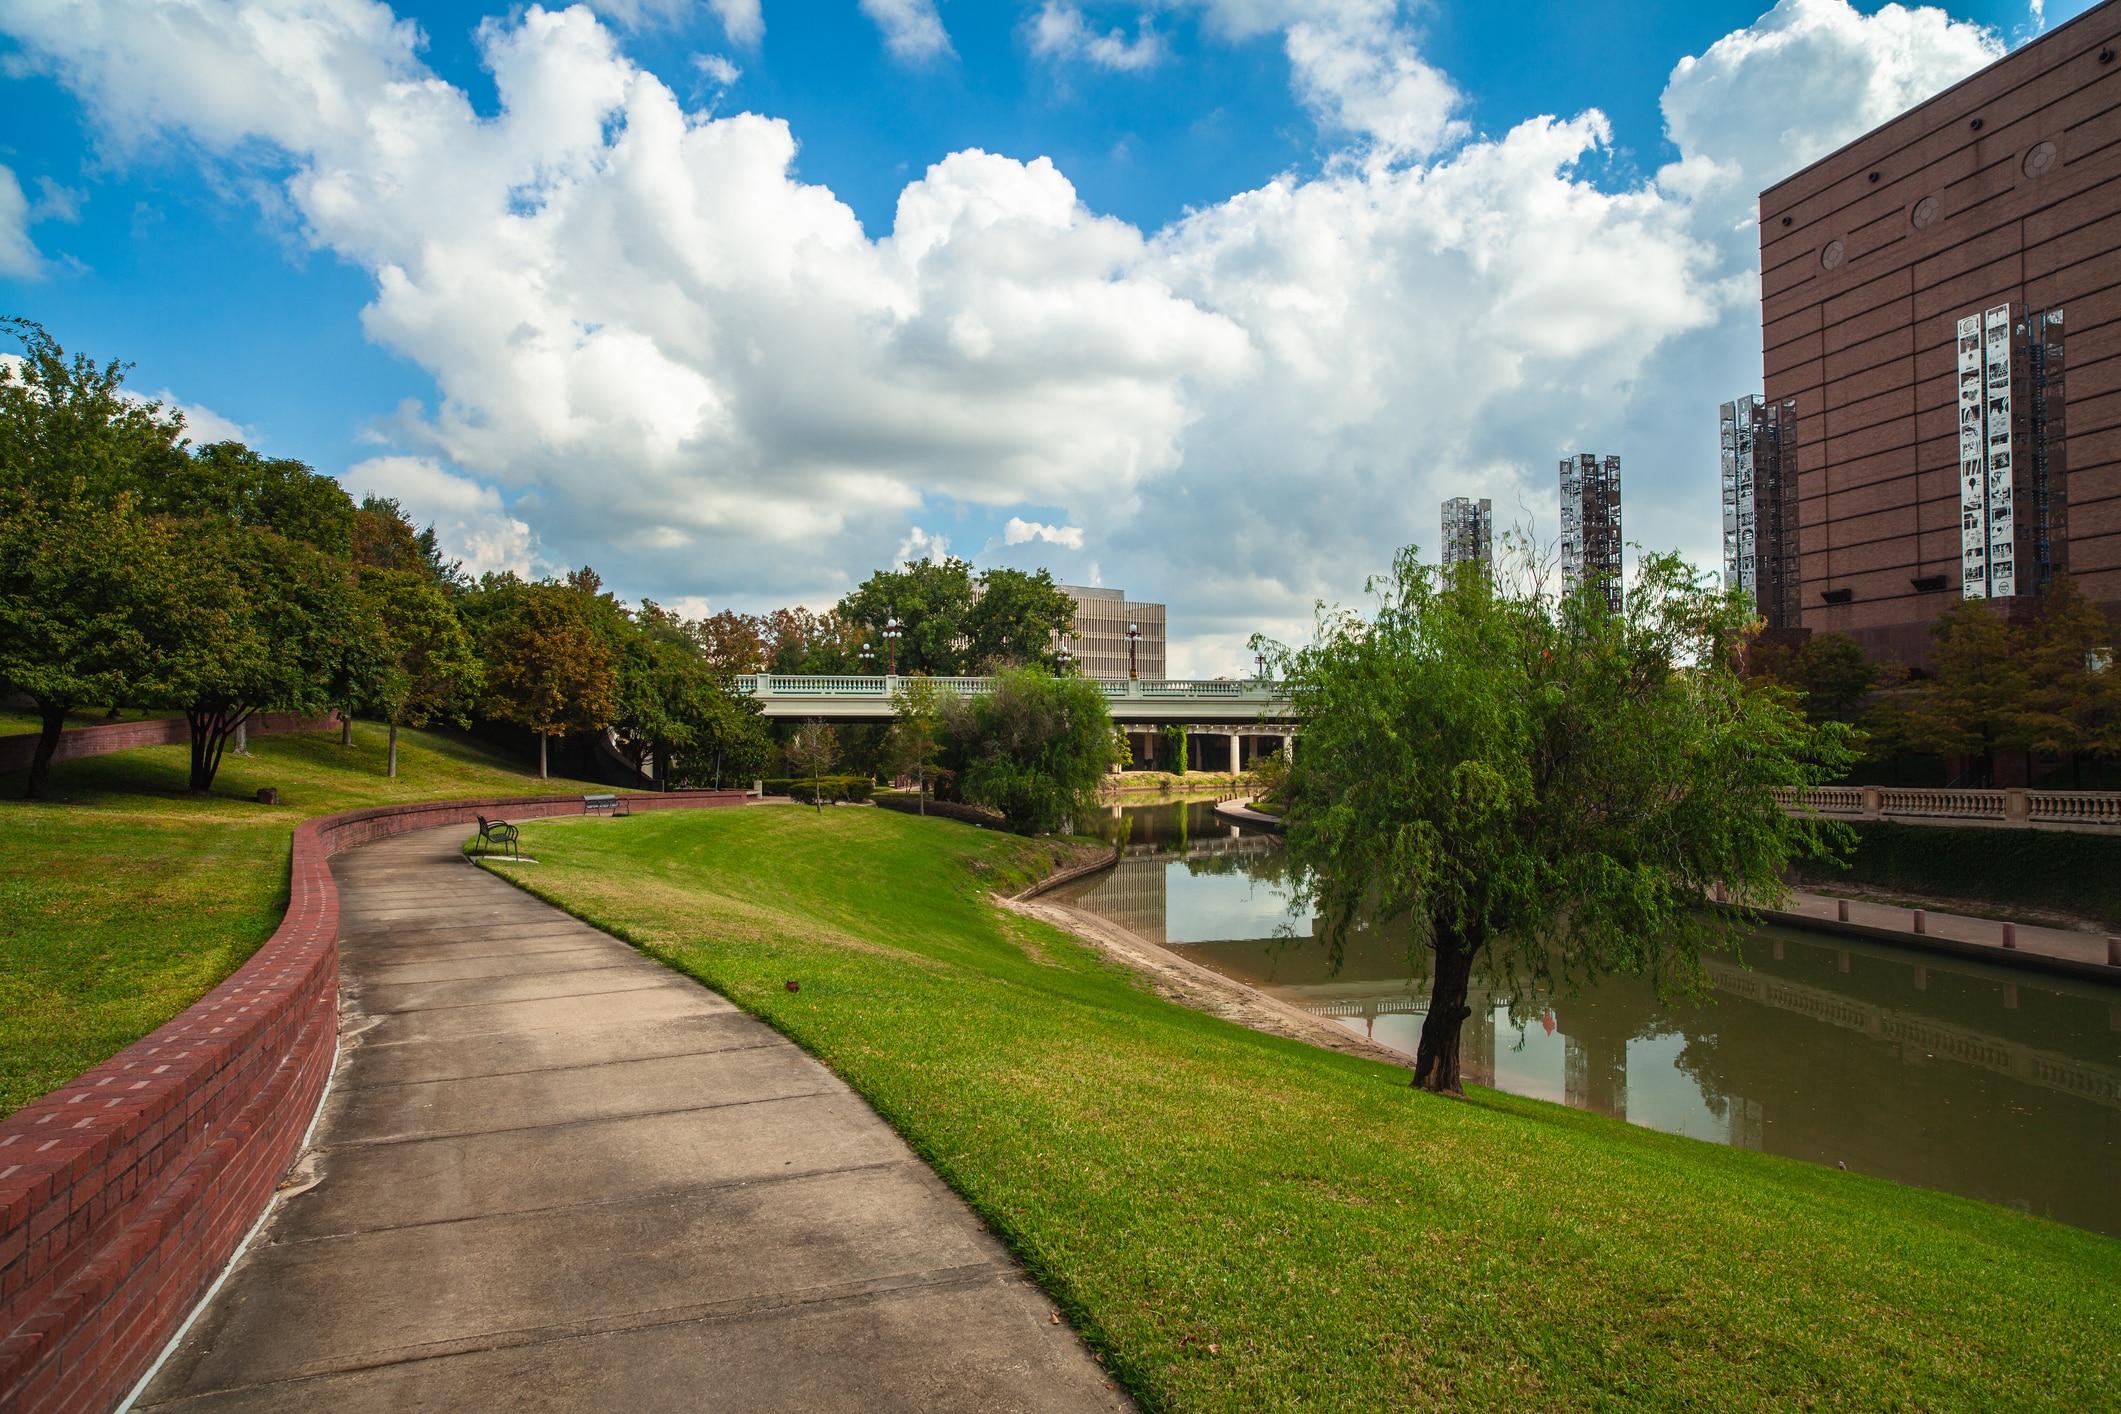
column 1941, row 302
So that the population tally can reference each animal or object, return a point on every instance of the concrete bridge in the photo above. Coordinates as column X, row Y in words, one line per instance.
column 1246, row 717
column 1211, row 704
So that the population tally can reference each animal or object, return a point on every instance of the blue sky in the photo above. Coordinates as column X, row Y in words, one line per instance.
column 1189, row 442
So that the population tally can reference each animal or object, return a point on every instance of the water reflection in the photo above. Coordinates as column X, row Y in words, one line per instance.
column 2001, row 1085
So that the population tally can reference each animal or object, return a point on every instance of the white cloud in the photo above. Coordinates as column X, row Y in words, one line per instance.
column 657, row 338
column 1018, row 531
column 912, row 30
column 742, row 20
column 202, row 424
column 1807, row 77
column 717, row 69
column 469, row 519
column 18, row 253
column 1060, row 32
column 920, row 545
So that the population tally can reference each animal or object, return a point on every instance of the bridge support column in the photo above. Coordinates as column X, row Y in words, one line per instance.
column 1288, row 750
column 1235, row 764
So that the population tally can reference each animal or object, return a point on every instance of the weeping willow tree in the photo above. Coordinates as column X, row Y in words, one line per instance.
column 1543, row 790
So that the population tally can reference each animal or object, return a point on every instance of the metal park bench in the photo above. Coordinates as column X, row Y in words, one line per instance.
column 493, row 833
column 606, row 804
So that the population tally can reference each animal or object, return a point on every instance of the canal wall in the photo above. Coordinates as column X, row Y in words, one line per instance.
column 2072, row 873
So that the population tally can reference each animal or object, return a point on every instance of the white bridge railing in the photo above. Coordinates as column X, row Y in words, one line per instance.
column 782, row 685
column 2098, row 812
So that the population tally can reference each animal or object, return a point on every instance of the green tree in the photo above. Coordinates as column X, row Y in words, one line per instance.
column 799, row 641
column 2073, row 697
column 296, row 636
column 931, row 600
column 1974, row 703
column 1019, row 620
column 383, row 538
column 428, row 670
column 547, row 666
column 80, row 584
column 916, row 737
column 1829, row 671
column 1033, row 746
column 228, row 482
column 1548, row 792
column 732, row 643
column 68, row 431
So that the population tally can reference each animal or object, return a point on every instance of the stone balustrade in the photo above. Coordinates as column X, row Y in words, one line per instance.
column 2091, row 812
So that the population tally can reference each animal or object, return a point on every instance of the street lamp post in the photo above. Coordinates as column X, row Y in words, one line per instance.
column 1259, row 661
column 1067, row 661
column 891, row 636
column 868, row 661
column 1134, row 636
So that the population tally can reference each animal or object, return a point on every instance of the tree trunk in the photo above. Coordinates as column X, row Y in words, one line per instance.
column 210, row 731
column 543, row 774
column 1436, row 1059
column 393, row 771
column 346, row 730
column 921, row 789
column 53, row 716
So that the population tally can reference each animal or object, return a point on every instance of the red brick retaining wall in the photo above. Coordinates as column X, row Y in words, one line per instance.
column 124, row 1192
column 16, row 752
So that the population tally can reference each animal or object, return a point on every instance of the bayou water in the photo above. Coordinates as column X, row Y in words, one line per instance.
column 1997, row 1084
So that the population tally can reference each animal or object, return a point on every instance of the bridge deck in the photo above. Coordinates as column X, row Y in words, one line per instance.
column 1217, row 703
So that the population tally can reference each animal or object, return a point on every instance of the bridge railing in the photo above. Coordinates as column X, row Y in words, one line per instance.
column 2098, row 812
column 809, row 685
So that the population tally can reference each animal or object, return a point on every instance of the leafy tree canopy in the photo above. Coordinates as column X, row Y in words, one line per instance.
column 1033, row 746
column 1019, row 620
column 1830, row 671
column 68, row 430
column 1547, row 791
column 931, row 599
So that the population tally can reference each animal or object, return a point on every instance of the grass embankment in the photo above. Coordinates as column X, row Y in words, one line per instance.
column 124, row 899
column 1241, row 1222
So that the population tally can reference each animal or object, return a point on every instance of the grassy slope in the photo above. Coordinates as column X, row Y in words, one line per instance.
column 124, row 899
column 1241, row 1222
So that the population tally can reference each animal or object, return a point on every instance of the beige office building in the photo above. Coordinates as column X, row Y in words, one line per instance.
column 1102, row 617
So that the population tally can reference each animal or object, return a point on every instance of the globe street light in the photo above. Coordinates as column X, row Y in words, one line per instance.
column 1134, row 636
column 868, row 660
column 1067, row 661
column 891, row 635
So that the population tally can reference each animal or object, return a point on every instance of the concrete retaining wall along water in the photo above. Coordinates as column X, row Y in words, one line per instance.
column 125, row 1191
column 18, row 751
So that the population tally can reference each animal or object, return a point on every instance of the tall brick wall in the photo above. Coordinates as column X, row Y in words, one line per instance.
column 124, row 1192
column 1867, row 260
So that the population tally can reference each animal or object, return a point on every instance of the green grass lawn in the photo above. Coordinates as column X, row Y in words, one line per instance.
column 1240, row 1222
column 124, row 899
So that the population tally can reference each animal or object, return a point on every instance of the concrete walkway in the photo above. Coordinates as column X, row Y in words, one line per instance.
column 555, row 1175
column 2063, row 943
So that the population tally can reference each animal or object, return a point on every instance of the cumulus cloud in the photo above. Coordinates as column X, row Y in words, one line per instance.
column 1060, row 32
column 658, row 338
column 1019, row 531
column 920, row 545
column 912, row 30
column 469, row 519
column 1805, row 78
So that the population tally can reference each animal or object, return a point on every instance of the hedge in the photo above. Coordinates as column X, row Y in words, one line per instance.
column 831, row 787
column 2073, row 873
